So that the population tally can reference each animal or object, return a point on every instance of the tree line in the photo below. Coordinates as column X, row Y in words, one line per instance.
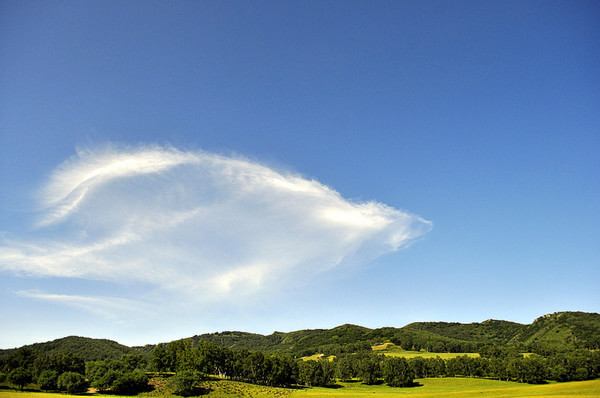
column 186, row 362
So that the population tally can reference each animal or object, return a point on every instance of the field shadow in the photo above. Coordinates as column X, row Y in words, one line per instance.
column 196, row 392
column 414, row 384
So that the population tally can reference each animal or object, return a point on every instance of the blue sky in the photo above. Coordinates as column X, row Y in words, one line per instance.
column 175, row 168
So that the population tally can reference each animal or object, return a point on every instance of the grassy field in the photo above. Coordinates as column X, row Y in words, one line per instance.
column 433, row 387
column 316, row 357
column 458, row 387
column 392, row 350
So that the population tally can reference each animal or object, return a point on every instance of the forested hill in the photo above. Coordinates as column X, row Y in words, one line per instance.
column 300, row 342
column 86, row 348
column 562, row 331
column 490, row 331
column 578, row 328
column 570, row 328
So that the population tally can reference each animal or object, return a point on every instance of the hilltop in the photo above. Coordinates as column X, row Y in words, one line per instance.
column 568, row 330
column 86, row 348
column 557, row 331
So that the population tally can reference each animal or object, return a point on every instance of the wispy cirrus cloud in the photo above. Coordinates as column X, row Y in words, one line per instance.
column 106, row 307
column 196, row 224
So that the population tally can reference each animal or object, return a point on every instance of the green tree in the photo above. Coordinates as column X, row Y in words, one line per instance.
column 369, row 369
column 327, row 372
column 103, row 374
column 48, row 380
column 72, row 382
column 282, row 372
column 20, row 377
column 581, row 374
column 419, row 367
column 130, row 383
column 305, row 373
column 498, row 368
column 60, row 362
column 160, row 359
column 534, row 369
column 397, row 372
column 315, row 373
column 559, row 373
column 132, row 362
column 254, row 368
column 183, row 382
column 106, row 380
column 345, row 369
column 437, row 367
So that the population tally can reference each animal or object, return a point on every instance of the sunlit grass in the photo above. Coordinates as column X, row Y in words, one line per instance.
column 458, row 387
column 430, row 387
column 316, row 357
column 392, row 350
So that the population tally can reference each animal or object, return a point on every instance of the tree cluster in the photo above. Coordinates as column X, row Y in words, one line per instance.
column 419, row 340
column 276, row 369
column 125, row 376
column 205, row 358
column 52, row 371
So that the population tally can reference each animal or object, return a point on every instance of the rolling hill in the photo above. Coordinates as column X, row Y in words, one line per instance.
column 87, row 348
column 564, row 330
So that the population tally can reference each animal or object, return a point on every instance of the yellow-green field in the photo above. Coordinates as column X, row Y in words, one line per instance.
column 459, row 387
column 432, row 387
column 389, row 349
column 316, row 357
column 392, row 350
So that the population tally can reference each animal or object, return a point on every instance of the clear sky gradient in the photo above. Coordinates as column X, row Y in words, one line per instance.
column 175, row 168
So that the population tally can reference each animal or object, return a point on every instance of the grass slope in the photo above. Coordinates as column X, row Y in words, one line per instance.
column 458, row 387
column 433, row 387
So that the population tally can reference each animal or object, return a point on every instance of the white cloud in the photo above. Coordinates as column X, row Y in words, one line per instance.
column 107, row 307
column 196, row 225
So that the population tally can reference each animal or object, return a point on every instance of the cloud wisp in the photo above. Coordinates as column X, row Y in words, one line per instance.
column 196, row 224
column 106, row 307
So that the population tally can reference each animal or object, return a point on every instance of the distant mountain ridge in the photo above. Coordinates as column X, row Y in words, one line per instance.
column 568, row 330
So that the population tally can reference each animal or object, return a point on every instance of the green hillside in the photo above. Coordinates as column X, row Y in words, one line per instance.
column 570, row 329
column 566, row 329
column 490, row 331
column 86, row 348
